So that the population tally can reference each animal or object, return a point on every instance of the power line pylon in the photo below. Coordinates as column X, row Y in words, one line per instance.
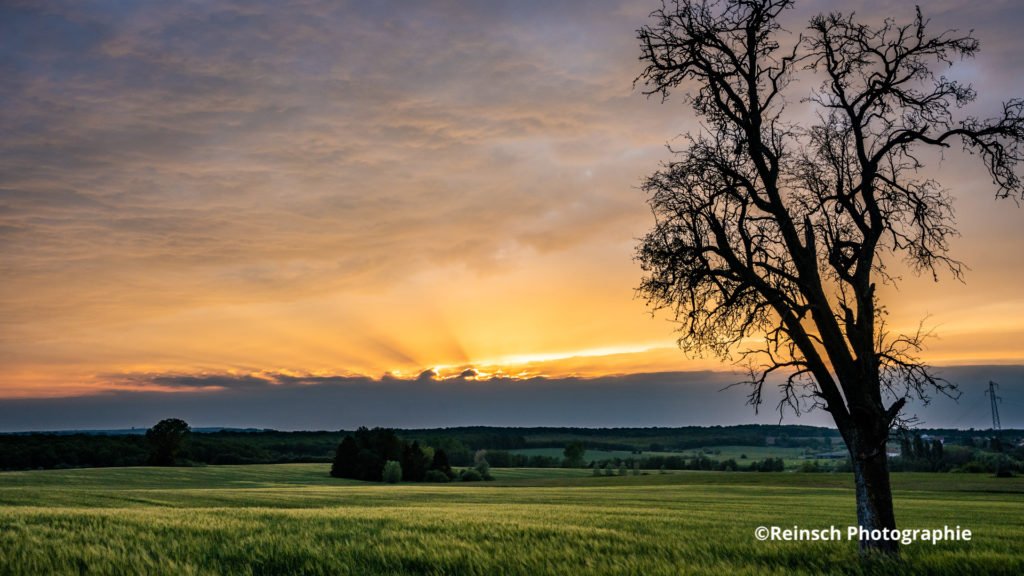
column 991, row 392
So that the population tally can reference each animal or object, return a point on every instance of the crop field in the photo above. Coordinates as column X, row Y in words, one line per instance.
column 592, row 454
column 294, row 519
column 792, row 456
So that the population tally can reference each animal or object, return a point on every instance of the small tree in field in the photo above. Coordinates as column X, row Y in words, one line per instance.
column 166, row 439
column 481, row 465
column 573, row 455
column 767, row 230
column 392, row 473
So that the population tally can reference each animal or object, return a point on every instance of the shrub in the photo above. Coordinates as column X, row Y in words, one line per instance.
column 392, row 472
column 811, row 466
column 483, row 468
column 470, row 475
column 479, row 456
column 435, row 476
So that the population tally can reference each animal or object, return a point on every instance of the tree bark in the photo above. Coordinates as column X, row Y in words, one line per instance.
column 874, row 495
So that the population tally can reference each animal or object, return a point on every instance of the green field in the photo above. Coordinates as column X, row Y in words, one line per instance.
column 793, row 456
column 713, row 452
column 294, row 519
column 593, row 454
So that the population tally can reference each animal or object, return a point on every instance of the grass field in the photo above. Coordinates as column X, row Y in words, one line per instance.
column 793, row 457
column 294, row 519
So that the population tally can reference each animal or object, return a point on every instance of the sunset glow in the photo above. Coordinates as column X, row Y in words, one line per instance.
column 195, row 191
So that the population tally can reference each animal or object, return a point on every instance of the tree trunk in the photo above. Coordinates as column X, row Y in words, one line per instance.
column 874, row 497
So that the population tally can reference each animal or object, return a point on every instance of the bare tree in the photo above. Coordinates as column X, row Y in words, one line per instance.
column 774, row 232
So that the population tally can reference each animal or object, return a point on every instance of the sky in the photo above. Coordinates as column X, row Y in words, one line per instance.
column 212, row 205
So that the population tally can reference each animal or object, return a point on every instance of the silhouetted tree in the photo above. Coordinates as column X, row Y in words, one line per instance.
column 369, row 465
column 345, row 457
column 573, row 453
column 919, row 448
column 364, row 455
column 440, row 463
column 906, row 452
column 382, row 441
column 414, row 463
column 166, row 439
column 765, row 227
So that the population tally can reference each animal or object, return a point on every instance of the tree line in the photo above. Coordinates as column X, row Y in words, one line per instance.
column 381, row 455
column 699, row 462
column 47, row 450
column 963, row 450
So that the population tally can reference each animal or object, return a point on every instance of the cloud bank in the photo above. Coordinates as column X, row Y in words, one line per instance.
column 344, row 402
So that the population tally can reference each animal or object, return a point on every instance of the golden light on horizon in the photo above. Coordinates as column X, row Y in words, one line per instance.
column 304, row 214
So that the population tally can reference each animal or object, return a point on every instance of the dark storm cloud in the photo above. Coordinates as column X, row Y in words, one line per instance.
column 334, row 402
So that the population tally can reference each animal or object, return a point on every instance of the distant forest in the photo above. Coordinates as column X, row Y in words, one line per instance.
column 21, row 451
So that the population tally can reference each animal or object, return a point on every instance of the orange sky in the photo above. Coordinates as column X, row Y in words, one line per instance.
column 339, row 190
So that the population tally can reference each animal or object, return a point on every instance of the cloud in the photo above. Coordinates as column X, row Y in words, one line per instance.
column 193, row 381
column 336, row 401
column 181, row 184
column 169, row 157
